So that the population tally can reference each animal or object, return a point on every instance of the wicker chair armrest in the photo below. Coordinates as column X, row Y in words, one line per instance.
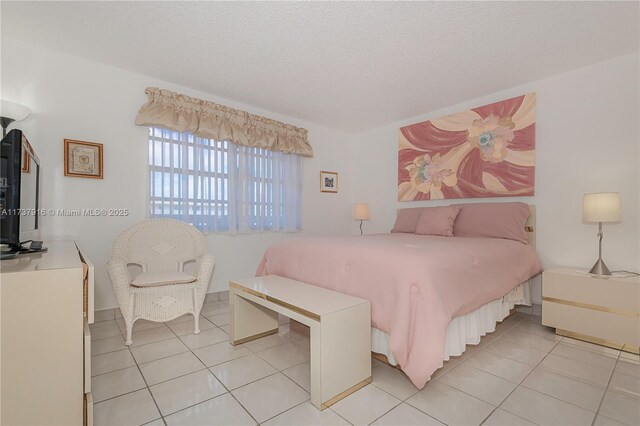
column 204, row 267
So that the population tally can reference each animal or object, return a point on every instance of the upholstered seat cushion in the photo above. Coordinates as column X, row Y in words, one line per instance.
column 153, row 279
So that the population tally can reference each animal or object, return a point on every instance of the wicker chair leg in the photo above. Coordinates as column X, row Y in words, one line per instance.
column 129, row 325
column 196, row 320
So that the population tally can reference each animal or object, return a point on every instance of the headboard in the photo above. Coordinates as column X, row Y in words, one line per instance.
column 530, row 226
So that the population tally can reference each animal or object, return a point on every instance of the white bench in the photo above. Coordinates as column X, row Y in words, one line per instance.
column 340, row 328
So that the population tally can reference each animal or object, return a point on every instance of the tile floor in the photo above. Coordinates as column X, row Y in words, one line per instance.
column 522, row 374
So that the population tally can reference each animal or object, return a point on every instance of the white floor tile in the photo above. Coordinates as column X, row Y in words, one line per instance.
column 504, row 418
column 185, row 391
column 285, row 356
column 132, row 409
column 500, row 366
column 266, row 342
column 518, row 353
column 576, row 370
column 139, row 325
column 167, row 368
column 544, row 409
column 538, row 330
column 110, row 344
column 240, row 371
column 152, row 351
column 306, row 414
column 450, row 405
column 620, row 407
column 301, row 374
column 225, row 328
column 270, row 396
column 205, row 338
column 529, row 340
column 406, row 415
column 623, row 383
column 220, row 352
column 365, row 405
column 111, row 361
column 105, row 329
column 214, row 308
column 605, row 421
column 187, row 327
column 627, row 367
column 156, row 422
column 181, row 318
column 392, row 381
column 151, row 335
column 116, row 383
column 220, row 319
column 591, row 346
column 601, row 360
column 565, row 388
column 482, row 385
column 223, row 410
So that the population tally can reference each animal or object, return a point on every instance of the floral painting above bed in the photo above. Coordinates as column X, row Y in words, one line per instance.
column 482, row 152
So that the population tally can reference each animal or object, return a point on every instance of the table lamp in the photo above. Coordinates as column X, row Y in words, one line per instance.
column 601, row 207
column 361, row 212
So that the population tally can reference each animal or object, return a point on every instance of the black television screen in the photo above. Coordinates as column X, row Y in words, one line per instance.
column 19, row 190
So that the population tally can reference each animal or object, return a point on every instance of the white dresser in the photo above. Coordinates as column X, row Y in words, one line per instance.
column 46, row 307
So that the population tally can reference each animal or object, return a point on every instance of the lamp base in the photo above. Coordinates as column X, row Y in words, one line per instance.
column 600, row 268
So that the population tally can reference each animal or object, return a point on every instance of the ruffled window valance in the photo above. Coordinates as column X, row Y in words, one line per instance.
column 209, row 120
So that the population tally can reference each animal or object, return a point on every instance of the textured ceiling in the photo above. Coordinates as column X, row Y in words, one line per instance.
column 349, row 66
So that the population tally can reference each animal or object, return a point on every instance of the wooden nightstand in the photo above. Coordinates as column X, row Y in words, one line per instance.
column 598, row 310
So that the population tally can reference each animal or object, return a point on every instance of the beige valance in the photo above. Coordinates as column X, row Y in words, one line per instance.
column 207, row 119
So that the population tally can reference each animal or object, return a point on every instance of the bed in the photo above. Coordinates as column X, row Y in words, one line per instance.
column 430, row 294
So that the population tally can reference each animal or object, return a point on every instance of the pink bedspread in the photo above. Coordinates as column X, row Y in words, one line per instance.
column 416, row 283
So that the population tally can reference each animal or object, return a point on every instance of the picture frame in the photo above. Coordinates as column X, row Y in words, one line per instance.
column 329, row 182
column 83, row 159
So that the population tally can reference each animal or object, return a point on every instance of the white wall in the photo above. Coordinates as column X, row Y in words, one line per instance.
column 78, row 99
column 587, row 140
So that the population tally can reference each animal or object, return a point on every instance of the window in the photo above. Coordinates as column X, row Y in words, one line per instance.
column 219, row 186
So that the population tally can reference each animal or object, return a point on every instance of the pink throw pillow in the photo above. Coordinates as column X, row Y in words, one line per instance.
column 407, row 220
column 495, row 220
column 437, row 221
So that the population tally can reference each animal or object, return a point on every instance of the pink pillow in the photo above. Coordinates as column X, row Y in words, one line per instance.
column 495, row 220
column 437, row 221
column 407, row 220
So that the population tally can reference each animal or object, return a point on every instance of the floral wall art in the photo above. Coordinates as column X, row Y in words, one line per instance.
column 483, row 152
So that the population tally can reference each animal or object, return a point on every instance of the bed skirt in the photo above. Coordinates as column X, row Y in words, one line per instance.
column 467, row 329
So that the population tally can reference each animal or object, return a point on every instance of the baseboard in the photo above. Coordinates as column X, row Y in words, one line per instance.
column 114, row 313
column 535, row 309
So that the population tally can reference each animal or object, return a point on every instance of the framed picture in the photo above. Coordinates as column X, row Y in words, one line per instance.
column 328, row 182
column 82, row 159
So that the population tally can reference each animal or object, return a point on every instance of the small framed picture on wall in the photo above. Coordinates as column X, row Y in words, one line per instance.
column 82, row 159
column 328, row 182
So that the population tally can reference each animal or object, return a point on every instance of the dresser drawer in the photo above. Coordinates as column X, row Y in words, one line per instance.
column 87, row 356
column 620, row 294
column 615, row 329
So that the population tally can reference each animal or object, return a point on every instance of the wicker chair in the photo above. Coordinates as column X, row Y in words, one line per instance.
column 163, row 290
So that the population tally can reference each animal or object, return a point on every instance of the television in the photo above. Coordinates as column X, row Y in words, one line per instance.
column 19, row 195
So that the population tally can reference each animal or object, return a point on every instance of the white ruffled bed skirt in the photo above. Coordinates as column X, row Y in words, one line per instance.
column 467, row 329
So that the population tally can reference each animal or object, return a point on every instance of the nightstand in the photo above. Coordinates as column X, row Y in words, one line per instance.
column 598, row 310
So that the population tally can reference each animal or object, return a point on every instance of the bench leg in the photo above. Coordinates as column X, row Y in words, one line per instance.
column 249, row 321
column 340, row 355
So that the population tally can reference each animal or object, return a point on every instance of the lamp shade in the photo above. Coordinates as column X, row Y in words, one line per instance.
column 361, row 211
column 601, row 207
column 13, row 110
